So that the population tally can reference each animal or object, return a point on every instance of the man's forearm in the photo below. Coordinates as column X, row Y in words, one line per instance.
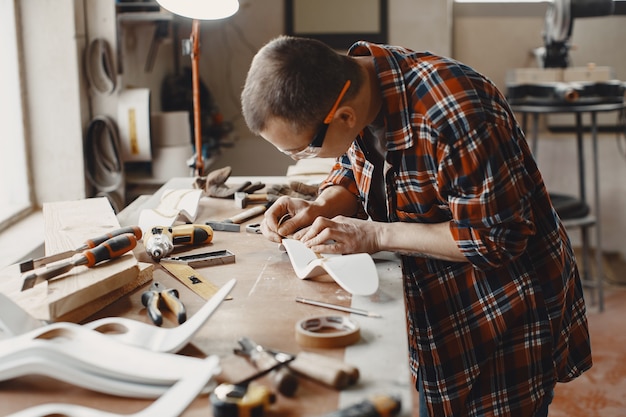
column 420, row 239
column 337, row 201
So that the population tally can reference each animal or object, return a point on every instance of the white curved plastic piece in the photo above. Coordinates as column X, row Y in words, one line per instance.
column 158, row 339
column 171, row 404
column 93, row 355
column 15, row 321
column 354, row 273
column 32, row 365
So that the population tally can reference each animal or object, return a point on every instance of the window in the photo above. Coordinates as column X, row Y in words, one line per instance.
column 14, row 185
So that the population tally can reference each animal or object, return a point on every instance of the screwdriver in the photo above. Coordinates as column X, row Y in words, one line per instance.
column 31, row 264
column 109, row 249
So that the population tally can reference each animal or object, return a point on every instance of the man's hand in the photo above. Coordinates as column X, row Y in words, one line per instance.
column 301, row 214
column 343, row 235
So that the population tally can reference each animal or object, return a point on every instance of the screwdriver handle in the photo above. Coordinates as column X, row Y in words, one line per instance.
column 109, row 249
column 92, row 243
column 192, row 234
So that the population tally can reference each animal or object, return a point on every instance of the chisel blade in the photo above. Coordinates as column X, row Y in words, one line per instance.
column 31, row 264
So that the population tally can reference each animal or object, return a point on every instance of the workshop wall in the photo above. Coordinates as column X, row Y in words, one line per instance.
column 495, row 38
column 491, row 38
column 228, row 48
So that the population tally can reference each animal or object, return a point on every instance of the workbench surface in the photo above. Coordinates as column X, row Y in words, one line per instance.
column 263, row 308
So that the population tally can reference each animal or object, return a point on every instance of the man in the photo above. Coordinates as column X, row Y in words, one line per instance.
column 431, row 164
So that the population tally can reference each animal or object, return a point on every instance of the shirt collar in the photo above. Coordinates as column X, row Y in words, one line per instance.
column 399, row 134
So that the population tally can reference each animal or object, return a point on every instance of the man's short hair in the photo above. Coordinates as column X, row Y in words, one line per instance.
column 296, row 79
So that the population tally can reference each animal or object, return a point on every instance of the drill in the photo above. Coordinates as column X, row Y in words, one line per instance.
column 159, row 241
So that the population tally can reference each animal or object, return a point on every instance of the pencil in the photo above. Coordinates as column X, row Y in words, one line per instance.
column 337, row 307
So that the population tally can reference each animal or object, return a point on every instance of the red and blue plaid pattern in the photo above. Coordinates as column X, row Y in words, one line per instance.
column 491, row 336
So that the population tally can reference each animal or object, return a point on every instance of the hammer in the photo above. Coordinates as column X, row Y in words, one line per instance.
column 233, row 224
column 242, row 199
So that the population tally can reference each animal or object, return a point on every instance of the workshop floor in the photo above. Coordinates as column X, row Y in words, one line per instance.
column 601, row 391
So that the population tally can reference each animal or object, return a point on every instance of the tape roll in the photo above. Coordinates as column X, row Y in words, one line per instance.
column 327, row 332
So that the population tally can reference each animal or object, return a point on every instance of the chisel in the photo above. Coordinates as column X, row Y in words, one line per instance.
column 31, row 264
column 109, row 249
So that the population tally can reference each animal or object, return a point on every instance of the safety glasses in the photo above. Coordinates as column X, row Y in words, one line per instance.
column 313, row 149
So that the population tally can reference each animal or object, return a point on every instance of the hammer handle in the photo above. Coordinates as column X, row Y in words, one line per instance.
column 257, row 197
column 248, row 214
column 331, row 372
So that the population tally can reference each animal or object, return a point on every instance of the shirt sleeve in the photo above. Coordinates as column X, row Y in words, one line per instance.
column 490, row 194
column 341, row 174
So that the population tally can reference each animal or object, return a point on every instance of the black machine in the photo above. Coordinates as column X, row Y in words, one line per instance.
column 544, row 89
column 560, row 22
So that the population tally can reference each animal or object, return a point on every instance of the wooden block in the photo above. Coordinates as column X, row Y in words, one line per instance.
column 534, row 75
column 590, row 73
column 145, row 275
column 77, row 293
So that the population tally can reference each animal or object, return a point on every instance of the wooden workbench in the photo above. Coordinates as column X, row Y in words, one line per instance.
column 262, row 308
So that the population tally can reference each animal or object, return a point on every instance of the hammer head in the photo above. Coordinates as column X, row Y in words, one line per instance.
column 241, row 199
column 224, row 226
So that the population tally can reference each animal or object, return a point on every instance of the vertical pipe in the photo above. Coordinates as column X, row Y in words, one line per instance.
column 195, row 73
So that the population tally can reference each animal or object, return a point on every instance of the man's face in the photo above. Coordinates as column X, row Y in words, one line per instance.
column 297, row 145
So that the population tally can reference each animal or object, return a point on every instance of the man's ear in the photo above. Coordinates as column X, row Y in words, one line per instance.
column 347, row 115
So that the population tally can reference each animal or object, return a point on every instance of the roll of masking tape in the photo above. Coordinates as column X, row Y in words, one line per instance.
column 327, row 332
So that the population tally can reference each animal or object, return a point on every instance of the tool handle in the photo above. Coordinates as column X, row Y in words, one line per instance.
column 192, row 234
column 324, row 369
column 248, row 214
column 285, row 381
column 111, row 248
column 150, row 300
column 173, row 303
column 92, row 243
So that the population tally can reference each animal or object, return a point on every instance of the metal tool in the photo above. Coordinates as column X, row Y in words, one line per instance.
column 158, row 296
column 376, row 406
column 243, row 398
column 323, row 369
column 31, row 264
column 233, row 224
column 254, row 228
column 283, row 380
column 109, row 249
column 161, row 32
column 219, row 257
column 337, row 307
column 160, row 240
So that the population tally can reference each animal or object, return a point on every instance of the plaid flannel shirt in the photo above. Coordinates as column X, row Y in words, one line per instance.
column 493, row 335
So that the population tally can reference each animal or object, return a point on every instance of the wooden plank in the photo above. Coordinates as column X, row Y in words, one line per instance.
column 82, row 290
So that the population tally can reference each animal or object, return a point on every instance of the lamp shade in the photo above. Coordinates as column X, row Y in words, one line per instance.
column 201, row 9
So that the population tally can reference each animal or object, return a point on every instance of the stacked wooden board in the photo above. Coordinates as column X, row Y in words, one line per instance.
column 82, row 291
